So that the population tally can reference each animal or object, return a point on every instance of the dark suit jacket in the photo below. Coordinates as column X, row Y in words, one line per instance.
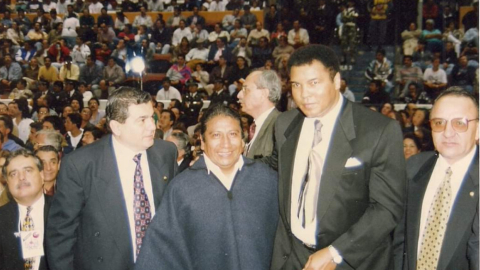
column 461, row 241
column 88, row 223
column 264, row 143
column 358, row 207
column 216, row 73
column 10, row 247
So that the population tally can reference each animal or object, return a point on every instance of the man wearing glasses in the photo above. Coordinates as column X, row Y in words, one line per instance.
column 440, row 227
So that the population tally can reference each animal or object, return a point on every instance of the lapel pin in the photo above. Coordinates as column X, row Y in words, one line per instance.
column 472, row 193
column 165, row 178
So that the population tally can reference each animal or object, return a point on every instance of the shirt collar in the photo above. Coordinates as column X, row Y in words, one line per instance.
column 39, row 204
column 211, row 167
column 460, row 165
column 259, row 121
column 121, row 151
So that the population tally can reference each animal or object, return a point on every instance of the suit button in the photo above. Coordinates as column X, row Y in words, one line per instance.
column 285, row 256
column 97, row 234
column 100, row 259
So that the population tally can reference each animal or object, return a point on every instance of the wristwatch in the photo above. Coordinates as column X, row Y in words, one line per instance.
column 336, row 256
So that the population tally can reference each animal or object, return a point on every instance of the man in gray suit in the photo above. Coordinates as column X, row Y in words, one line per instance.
column 453, row 171
column 260, row 93
column 341, row 174
column 108, row 191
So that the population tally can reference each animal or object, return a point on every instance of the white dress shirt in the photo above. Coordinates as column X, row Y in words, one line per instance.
column 259, row 123
column 126, row 170
column 226, row 180
column 95, row 8
column 459, row 170
column 23, row 128
column 38, row 221
column 172, row 93
column 179, row 34
column 195, row 53
column 308, row 234
column 75, row 140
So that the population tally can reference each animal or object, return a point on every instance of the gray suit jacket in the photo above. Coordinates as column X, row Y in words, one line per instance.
column 88, row 224
column 460, row 248
column 264, row 143
column 358, row 207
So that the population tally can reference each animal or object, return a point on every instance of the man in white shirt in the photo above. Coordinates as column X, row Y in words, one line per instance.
column 80, row 52
column 298, row 36
column 180, row 33
column 70, row 27
column 260, row 93
column 198, row 55
column 168, row 92
column 104, row 184
column 224, row 203
column 452, row 172
column 256, row 34
column 142, row 19
column 24, row 216
column 18, row 114
column 434, row 79
column 49, row 5
column 95, row 7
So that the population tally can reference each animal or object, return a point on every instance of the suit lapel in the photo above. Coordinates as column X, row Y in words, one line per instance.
column 258, row 143
column 288, row 150
column 462, row 214
column 156, row 165
column 338, row 153
column 416, row 192
column 113, row 205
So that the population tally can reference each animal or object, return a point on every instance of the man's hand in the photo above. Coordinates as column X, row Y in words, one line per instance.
column 320, row 260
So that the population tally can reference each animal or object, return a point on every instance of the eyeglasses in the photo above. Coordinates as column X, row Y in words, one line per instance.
column 460, row 125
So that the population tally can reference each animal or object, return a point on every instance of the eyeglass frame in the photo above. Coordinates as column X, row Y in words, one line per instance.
column 466, row 120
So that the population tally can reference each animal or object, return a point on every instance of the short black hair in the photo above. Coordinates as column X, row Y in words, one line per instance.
column 307, row 54
column 76, row 119
column 56, row 122
column 7, row 121
column 415, row 139
column 96, row 132
column 172, row 115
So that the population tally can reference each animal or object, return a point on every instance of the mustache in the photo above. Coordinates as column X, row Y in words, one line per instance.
column 23, row 184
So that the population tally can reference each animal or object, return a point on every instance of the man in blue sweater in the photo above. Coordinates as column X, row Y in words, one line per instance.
column 221, row 213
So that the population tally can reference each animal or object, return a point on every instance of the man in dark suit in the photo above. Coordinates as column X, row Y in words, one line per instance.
column 341, row 173
column 452, row 170
column 108, row 191
column 221, row 71
column 26, row 213
column 261, row 91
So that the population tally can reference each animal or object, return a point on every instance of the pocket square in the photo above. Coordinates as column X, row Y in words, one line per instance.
column 352, row 162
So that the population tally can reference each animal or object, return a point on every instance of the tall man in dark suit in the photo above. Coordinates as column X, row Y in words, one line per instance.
column 452, row 170
column 260, row 92
column 108, row 191
column 341, row 173
column 25, row 216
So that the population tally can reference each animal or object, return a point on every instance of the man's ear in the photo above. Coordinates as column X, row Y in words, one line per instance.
column 337, row 81
column 115, row 126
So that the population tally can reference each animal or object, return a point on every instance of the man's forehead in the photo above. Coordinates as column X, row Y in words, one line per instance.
column 459, row 104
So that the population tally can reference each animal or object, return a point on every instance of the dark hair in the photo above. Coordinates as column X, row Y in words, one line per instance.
column 415, row 139
column 56, row 121
column 172, row 115
column 76, row 119
column 120, row 100
column 307, row 54
column 48, row 148
column 36, row 125
column 7, row 121
column 59, row 84
column 22, row 104
column 218, row 110
column 407, row 56
column 80, row 102
column 382, row 51
column 457, row 91
column 96, row 132
column 21, row 152
column 95, row 99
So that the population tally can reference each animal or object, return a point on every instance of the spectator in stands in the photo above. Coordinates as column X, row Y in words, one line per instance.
column 102, row 54
column 25, row 54
column 196, row 18
column 434, row 79
column 454, row 35
column 22, row 21
column 166, row 122
column 421, row 57
column 91, row 75
column 104, row 18
column 77, row 104
column 180, row 33
column 433, row 37
column 248, row 19
column 82, row 88
column 229, row 20
column 155, row 5
column 271, row 18
column 198, row 32
column 416, row 95
column 240, row 71
column 463, row 75
column 15, row 34
column 21, row 90
column 69, row 71
column 261, row 53
column 381, row 69
column 346, row 92
column 36, row 34
column 221, row 71
column 105, row 34
column 144, row 51
column 282, row 50
column 10, row 73
column 70, row 27
column 408, row 74
column 54, row 20
column 70, row 12
column 127, row 33
column 298, row 36
column 53, row 122
column 58, row 52
column 6, row 127
column 142, row 19
column 48, row 5
column 141, row 35
column 86, row 114
column 220, row 95
column 237, row 33
column 113, row 76
column 120, row 21
column 161, row 38
column 90, row 135
column 255, row 35
column 412, row 145
column 216, row 5
column 31, row 74
column 420, row 127
column 74, row 134
column 181, row 141
column 198, row 55
column 128, row 6
column 50, row 158
column 122, row 53
column 20, row 114
column 80, row 52
column 95, row 7
column 62, row 8
column 431, row 11
column 375, row 94
column 168, row 92
column 242, row 49
column 377, row 28
column 72, row 93
column 202, row 78
column 175, row 20
column 97, row 115
column 50, row 136
column 219, row 49
column 410, row 38
column 192, row 102
column 60, row 98
column 42, row 19
column 324, row 23
column 87, row 20
column 471, row 37
column 450, row 58
column 218, row 32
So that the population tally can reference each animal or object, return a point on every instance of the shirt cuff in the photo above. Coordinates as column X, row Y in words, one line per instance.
column 337, row 258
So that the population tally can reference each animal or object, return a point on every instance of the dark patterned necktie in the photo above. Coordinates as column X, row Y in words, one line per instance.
column 141, row 205
column 307, row 206
column 26, row 227
column 436, row 225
